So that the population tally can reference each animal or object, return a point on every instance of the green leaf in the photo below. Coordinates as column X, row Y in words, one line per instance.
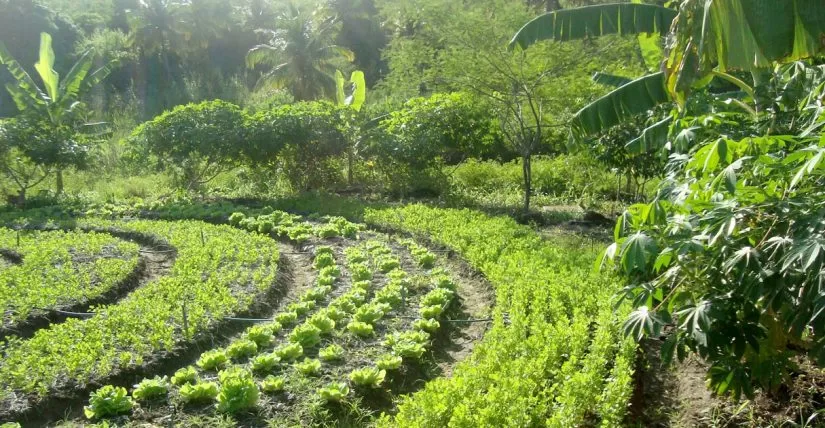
column 590, row 21
column 625, row 102
column 25, row 92
column 70, row 86
column 339, row 88
column 359, row 91
column 653, row 137
column 610, row 79
column 45, row 67
column 641, row 323
column 607, row 256
column 808, row 167
column 637, row 253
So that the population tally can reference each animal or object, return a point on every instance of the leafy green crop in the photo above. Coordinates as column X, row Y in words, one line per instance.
column 389, row 362
column 200, row 288
column 265, row 363
column 334, row 392
column 151, row 389
column 550, row 293
column 361, row 329
column 212, row 360
column 244, row 348
column 369, row 377
column 309, row 367
column 108, row 401
column 272, row 384
column 290, row 352
column 307, row 335
column 201, row 392
column 238, row 392
column 331, row 353
column 60, row 268
column 185, row 375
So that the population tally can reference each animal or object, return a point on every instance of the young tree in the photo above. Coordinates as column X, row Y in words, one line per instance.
column 53, row 109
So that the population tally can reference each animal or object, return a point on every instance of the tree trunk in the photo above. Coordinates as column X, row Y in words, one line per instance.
column 551, row 5
column 350, row 161
column 59, row 180
column 527, row 171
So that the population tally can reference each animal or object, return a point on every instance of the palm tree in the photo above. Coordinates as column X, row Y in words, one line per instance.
column 160, row 29
column 301, row 55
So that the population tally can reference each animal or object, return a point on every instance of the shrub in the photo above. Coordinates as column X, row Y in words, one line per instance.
column 151, row 389
column 108, row 401
column 212, row 360
column 305, row 138
column 369, row 377
column 201, row 392
column 236, row 218
column 195, row 138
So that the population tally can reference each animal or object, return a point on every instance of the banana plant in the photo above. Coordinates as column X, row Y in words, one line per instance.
column 355, row 100
column 57, row 101
column 358, row 94
column 710, row 39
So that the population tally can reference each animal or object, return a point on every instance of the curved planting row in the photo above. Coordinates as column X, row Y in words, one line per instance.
column 357, row 335
column 58, row 269
column 555, row 355
column 218, row 272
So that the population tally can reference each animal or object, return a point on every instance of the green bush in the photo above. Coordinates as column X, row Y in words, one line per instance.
column 303, row 139
column 195, row 141
column 565, row 177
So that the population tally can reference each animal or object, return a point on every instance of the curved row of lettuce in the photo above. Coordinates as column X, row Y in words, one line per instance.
column 219, row 271
column 555, row 355
column 56, row 269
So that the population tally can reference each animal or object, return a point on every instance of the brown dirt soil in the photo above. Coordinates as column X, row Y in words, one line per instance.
column 679, row 397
